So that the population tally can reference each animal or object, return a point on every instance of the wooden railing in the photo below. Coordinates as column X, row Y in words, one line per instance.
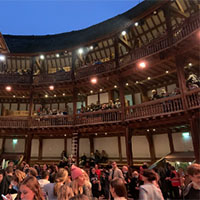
column 155, row 108
column 193, row 98
column 95, row 69
column 15, row 78
column 106, row 116
column 14, row 122
column 53, row 120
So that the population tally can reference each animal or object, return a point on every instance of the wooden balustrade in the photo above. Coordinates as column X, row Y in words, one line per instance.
column 95, row 69
column 154, row 108
column 52, row 120
column 112, row 115
column 15, row 78
column 193, row 98
column 14, row 122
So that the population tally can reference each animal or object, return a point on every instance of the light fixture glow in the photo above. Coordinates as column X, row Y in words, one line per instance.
column 57, row 55
column 94, row 80
column 100, row 90
column 46, row 95
column 147, row 130
column 2, row 58
column 149, row 78
column 54, row 95
column 63, row 94
column 8, row 88
column 190, row 163
column 23, row 96
column 106, row 133
column 14, row 96
column 80, row 51
column 154, row 129
column 123, row 33
column 126, row 84
column 167, row 72
column 15, row 141
column 136, row 82
column 190, row 64
column 91, row 47
column 186, row 135
column 51, row 87
column 142, row 64
column 96, row 133
column 91, row 91
column 42, row 57
column 178, row 163
column 136, row 23
column 115, row 86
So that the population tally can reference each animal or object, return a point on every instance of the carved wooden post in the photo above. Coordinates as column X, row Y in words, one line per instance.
column 27, row 150
column 128, row 139
column 119, row 148
column 171, row 143
column 151, row 146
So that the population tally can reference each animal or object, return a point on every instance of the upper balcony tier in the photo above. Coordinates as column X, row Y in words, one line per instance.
column 160, row 108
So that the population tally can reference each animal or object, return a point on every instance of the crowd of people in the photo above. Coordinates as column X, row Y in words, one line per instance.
column 57, row 182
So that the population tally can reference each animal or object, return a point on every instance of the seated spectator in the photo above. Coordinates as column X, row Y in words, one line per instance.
column 154, row 95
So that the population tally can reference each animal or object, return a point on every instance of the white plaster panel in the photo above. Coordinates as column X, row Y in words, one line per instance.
column 104, row 98
column 54, row 106
column 13, row 106
column 170, row 88
column 52, row 147
column 149, row 93
column 37, row 106
column 62, row 106
column 140, row 147
column 6, row 106
column 35, row 148
column 92, row 99
column 17, row 148
column 84, row 146
column 182, row 144
column 109, row 144
column 123, row 145
column 129, row 98
column 137, row 98
column 161, row 144
column 69, row 146
column 22, row 106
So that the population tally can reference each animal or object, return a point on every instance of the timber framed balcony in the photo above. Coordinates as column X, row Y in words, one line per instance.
column 151, row 109
column 161, row 43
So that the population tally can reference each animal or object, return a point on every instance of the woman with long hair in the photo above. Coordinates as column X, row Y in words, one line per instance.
column 118, row 189
column 65, row 192
column 52, row 189
column 79, row 184
column 150, row 190
column 29, row 190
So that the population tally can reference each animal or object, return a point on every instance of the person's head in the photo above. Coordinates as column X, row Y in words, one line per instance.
column 194, row 173
column 9, row 170
column 93, row 171
column 30, row 189
column 114, row 165
column 96, row 166
column 11, row 163
column 135, row 174
column 32, row 172
column 18, row 177
column 65, row 193
column 79, row 197
column 125, row 169
column 77, row 175
column 149, row 175
column 44, row 167
column 1, row 175
column 61, row 178
column 117, row 188
column 45, row 175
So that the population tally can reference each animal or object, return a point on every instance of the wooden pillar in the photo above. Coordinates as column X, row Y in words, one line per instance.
column 195, row 130
column 181, row 78
column 171, row 143
column 116, row 46
column 77, row 156
column 28, row 144
column 121, row 97
column 40, row 148
column 128, row 139
column 3, row 145
column 75, row 97
column 119, row 148
column 65, row 144
column 151, row 146
column 91, row 138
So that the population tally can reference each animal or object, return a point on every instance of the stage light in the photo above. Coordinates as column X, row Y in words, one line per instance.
column 42, row 57
column 80, row 51
column 142, row 65
column 51, row 87
column 93, row 80
column 123, row 33
column 8, row 88
column 2, row 58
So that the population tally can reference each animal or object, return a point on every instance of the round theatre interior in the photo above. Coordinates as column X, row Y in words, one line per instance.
column 122, row 86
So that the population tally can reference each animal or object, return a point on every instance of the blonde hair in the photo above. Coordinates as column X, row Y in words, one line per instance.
column 65, row 193
column 87, row 179
column 18, row 176
column 76, row 188
column 61, row 177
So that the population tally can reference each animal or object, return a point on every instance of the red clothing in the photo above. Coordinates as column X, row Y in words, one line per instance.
column 98, row 173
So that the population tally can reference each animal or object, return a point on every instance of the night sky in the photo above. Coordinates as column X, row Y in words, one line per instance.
column 42, row 17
